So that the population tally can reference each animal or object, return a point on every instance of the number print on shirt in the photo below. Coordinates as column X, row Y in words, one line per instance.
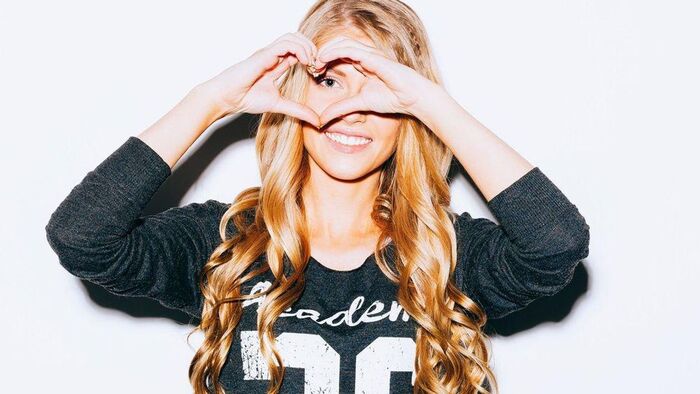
column 321, row 363
column 374, row 364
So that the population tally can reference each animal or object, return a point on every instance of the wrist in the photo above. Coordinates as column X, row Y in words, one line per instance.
column 434, row 99
column 206, row 99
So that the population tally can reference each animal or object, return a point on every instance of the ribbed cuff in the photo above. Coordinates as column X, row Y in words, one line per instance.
column 136, row 169
column 531, row 203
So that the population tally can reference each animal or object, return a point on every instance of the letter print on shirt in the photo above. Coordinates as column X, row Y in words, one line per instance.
column 322, row 363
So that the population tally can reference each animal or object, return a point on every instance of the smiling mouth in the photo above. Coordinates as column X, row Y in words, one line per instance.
column 346, row 139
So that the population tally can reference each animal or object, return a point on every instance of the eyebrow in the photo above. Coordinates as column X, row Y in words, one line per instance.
column 337, row 71
column 340, row 72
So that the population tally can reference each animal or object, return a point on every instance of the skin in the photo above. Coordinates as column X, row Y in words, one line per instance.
column 342, row 186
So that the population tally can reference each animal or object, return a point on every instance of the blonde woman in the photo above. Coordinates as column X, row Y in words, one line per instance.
column 345, row 270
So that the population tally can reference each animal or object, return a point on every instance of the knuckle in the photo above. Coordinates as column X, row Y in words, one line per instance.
column 291, row 44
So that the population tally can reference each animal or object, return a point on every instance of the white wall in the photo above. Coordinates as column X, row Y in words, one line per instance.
column 601, row 95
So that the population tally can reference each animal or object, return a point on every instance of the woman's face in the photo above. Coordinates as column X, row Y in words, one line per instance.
column 332, row 148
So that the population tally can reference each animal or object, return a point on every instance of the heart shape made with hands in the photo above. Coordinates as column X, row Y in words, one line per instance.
column 315, row 69
column 315, row 72
column 390, row 86
column 297, row 109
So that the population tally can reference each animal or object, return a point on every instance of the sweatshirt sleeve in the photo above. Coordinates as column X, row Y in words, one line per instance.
column 531, row 253
column 99, row 234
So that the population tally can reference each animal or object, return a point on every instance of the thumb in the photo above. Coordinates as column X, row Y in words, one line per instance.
column 342, row 107
column 299, row 111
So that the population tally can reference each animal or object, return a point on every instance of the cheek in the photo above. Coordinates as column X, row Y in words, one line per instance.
column 314, row 98
column 390, row 132
column 319, row 98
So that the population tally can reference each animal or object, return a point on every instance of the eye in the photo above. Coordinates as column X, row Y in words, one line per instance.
column 322, row 79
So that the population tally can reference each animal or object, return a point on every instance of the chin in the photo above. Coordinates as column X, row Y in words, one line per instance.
column 345, row 171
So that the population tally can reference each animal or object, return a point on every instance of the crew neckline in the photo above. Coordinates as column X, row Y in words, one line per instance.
column 335, row 271
column 364, row 264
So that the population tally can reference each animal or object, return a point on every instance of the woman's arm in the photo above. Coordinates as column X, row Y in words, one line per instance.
column 490, row 162
column 532, row 253
column 99, row 234
column 177, row 130
column 541, row 236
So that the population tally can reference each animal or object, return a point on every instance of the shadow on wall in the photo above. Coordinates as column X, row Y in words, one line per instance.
column 547, row 309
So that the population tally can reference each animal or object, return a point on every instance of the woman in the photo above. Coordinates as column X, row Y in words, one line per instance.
column 346, row 270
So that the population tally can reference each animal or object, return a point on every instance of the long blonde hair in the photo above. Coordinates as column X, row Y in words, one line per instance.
column 412, row 209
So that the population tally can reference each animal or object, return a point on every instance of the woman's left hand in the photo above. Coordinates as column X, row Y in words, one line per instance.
column 391, row 87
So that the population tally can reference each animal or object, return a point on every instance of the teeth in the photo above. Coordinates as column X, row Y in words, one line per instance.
column 348, row 140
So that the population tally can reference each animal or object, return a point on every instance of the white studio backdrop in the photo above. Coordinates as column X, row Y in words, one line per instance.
column 601, row 95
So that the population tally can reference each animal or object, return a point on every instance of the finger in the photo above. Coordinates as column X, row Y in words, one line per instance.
column 359, row 68
column 289, row 36
column 328, row 44
column 369, row 61
column 283, row 47
column 271, row 57
column 283, row 66
column 331, row 42
column 298, row 38
column 343, row 107
column 299, row 111
column 310, row 44
column 387, row 70
column 348, row 42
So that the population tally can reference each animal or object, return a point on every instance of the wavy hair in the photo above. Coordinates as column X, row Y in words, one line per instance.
column 412, row 208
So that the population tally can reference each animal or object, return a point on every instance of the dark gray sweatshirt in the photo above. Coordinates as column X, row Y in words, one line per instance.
column 347, row 333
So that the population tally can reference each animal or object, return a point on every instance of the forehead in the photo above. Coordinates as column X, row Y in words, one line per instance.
column 354, row 33
column 350, row 32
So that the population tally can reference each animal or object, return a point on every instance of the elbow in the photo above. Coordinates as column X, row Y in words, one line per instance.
column 71, row 256
column 60, row 234
column 573, row 248
column 579, row 248
column 71, row 234
column 76, row 254
column 64, row 240
column 552, row 271
column 565, row 244
column 563, row 264
column 57, row 237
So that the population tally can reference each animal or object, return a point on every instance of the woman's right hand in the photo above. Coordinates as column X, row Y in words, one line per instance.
column 249, row 86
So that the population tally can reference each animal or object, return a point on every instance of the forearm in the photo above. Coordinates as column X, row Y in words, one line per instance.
column 178, row 129
column 490, row 162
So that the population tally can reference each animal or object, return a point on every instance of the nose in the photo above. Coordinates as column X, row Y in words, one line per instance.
column 354, row 117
